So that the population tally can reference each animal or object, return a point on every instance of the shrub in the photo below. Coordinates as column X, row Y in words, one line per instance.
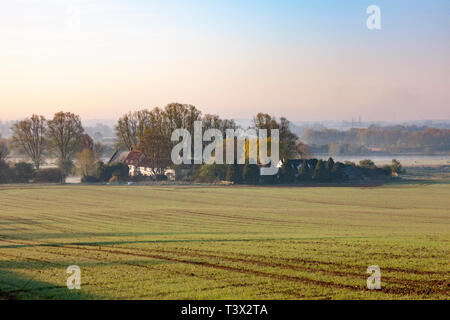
column 6, row 172
column 49, row 175
column 104, row 172
column 24, row 172
column 211, row 173
column 89, row 179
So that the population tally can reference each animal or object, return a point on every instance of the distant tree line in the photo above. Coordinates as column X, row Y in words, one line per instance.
column 298, row 171
column 397, row 139
column 37, row 138
column 149, row 130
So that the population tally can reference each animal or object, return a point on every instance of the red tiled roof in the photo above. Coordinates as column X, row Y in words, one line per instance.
column 133, row 157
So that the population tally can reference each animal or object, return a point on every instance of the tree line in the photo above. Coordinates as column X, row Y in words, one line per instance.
column 301, row 171
column 396, row 139
column 61, row 138
column 149, row 130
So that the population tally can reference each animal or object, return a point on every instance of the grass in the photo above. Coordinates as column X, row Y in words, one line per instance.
column 224, row 242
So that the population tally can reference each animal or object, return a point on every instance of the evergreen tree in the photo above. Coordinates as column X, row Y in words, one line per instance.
column 329, row 164
column 231, row 173
column 336, row 171
column 320, row 172
column 304, row 173
column 250, row 174
column 287, row 173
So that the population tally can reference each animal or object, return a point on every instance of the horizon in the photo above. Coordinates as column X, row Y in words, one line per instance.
column 315, row 62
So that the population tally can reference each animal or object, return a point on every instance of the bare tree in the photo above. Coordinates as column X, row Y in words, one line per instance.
column 155, row 144
column 64, row 134
column 130, row 129
column 29, row 136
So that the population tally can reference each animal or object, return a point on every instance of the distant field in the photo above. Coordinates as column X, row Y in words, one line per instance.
column 225, row 242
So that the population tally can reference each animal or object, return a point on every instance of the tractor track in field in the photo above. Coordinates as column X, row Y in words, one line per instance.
column 216, row 266
column 228, row 268
column 411, row 289
column 339, row 265
column 12, row 294
column 328, row 284
column 95, row 258
column 408, row 282
column 312, row 261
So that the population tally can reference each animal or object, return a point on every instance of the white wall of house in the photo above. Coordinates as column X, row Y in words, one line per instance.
column 148, row 172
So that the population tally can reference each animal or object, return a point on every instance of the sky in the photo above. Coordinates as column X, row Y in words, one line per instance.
column 305, row 60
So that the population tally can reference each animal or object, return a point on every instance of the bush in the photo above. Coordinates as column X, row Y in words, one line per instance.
column 49, row 175
column 161, row 177
column 89, row 179
column 24, row 172
column 104, row 172
column 6, row 173
column 211, row 173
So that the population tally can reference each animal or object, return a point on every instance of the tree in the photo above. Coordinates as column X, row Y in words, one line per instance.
column 321, row 173
column 336, row 171
column 396, row 166
column 64, row 134
column 127, row 130
column 329, row 164
column 86, row 163
column 303, row 151
column 29, row 136
column 86, row 142
column 304, row 173
column 231, row 173
column 265, row 121
column 288, row 139
column 250, row 174
column 155, row 144
column 4, row 150
column 288, row 173
column 368, row 164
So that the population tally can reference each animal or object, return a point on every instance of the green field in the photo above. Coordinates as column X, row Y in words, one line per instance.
column 225, row 242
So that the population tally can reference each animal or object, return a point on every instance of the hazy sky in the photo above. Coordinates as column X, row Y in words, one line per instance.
column 306, row 60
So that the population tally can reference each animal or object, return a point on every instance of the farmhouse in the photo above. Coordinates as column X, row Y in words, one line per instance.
column 138, row 164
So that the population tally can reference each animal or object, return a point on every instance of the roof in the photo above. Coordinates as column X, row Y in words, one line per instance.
column 131, row 158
